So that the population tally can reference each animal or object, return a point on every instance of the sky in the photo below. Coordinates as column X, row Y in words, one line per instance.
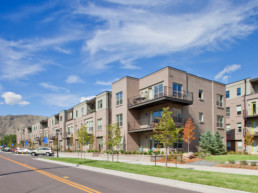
column 55, row 54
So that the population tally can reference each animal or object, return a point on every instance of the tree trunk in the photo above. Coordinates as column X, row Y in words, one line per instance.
column 166, row 160
column 112, row 155
column 188, row 144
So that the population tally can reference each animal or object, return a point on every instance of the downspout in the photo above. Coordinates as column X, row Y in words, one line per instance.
column 244, row 132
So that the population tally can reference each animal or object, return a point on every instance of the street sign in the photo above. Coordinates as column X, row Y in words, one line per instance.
column 26, row 143
column 12, row 144
column 45, row 140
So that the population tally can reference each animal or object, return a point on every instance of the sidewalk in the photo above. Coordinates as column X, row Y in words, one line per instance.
column 150, row 179
column 186, row 166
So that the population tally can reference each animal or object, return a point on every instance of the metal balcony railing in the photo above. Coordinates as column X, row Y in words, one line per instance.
column 183, row 97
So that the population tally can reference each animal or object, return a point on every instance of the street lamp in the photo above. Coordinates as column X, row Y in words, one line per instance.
column 57, row 132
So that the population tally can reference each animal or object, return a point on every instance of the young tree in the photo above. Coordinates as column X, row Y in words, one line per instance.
column 165, row 131
column 207, row 142
column 188, row 132
column 84, row 137
column 113, row 137
column 219, row 147
column 249, row 138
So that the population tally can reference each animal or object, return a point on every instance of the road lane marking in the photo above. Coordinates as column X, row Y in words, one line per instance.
column 68, row 182
column 65, row 177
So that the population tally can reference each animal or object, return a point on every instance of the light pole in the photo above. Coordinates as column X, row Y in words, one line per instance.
column 57, row 132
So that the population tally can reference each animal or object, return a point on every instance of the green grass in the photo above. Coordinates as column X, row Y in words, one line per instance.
column 224, row 180
column 225, row 158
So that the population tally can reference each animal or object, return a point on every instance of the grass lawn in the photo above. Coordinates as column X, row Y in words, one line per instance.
column 234, row 157
column 231, row 181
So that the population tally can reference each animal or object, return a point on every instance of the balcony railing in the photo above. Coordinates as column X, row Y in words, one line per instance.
column 251, row 112
column 91, row 111
column 149, row 124
column 167, row 93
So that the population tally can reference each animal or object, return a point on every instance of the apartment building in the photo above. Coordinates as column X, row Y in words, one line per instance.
column 137, row 103
column 23, row 135
column 242, row 115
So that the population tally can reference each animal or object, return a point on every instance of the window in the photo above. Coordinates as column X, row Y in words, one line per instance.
column 200, row 117
column 82, row 110
column 220, row 100
column 61, row 118
column 228, row 145
column 220, row 121
column 227, row 94
column 200, row 94
column 119, row 120
column 239, row 91
column 227, row 111
column 52, row 122
column 228, row 127
column 99, row 124
column 239, row 145
column 90, row 126
column 99, row 104
column 254, row 127
column 177, row 115
column 238, row 109
column 119, row 98
column 76, row 113
column 178, row 145
column 177, row 90
column 239, row 127
column 158, row 91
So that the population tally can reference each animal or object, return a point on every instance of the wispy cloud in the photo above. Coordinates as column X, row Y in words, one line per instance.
column 133, row 32
column 11, row 98
column 62, row 50
column 106, row 83
column 61, row 100
column 86, row 98
column 53, row 87
column 72, row 79
column 224, row 75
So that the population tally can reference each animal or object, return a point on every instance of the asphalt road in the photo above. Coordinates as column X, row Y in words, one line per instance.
column 24, row 174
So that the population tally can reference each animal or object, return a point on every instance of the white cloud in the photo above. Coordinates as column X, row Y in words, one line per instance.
column 62, row 50
column 73, row 79
column 106, row 83
column 224, row 75
column 52, row 87
column 86, row 98
column 12, row 99
column 61, row 100
column 133, row 32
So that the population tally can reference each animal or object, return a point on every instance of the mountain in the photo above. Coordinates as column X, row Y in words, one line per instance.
column 10, row 123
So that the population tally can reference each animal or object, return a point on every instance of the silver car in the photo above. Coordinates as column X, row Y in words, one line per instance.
column 42, row 151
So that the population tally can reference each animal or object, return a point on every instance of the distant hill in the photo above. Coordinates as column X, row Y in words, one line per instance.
column 10, row 123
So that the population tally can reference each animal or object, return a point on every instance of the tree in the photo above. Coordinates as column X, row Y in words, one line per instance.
column 219, row 147
column 188, row 132
column 165, row 131
column 113, row 137
column 249, row 138
column 207, row 142
column 84, row 137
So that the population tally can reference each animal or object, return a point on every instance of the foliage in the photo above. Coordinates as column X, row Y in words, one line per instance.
column 219, row 147
column 84, row 137
column 8, row 140
column 231, row 161
column 165, row 131
column 188, row 132
column 249, row 138
column 243, row 162
column 253, row 164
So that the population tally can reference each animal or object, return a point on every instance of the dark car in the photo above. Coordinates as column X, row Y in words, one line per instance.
column 7, row 149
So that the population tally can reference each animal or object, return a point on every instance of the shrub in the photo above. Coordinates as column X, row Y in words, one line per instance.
column 122, row 152
column 239, row 153
column 243, row 162
column 196, row 154
column 245, row 153
column 145, row 153
column 134, row 152
column 231, row 161
column 253, row 164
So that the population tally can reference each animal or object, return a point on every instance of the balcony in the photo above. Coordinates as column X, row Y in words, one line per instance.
column 251, row 113
column 91, row 111
column 68, row 134
column 167, row 95
column 147, row 124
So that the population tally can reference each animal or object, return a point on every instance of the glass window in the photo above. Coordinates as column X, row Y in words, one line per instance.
column 90, row 126
column 227, row 94
column 158, row 91
column 239, row 127
column 220, row 100
column 228, row 111
column 239, row 145
column 82, row 110
column 228, row 127
column 220, row 121
column 177, row 90
column 119, row 98
column 200, row 117
column 200, row 94
column 228, row 145
column 61, row 118
column 119, row 120
column 157, row 113
column 238, row 109
column 99, row 104
column 239, row 91
column 76, row 113
column 99, row 124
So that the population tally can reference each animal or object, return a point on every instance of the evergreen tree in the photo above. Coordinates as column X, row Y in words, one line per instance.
column 218, row 144
column 207, row 143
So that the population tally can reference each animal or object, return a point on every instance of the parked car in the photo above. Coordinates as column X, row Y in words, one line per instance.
column 42, row 151
column 13, row 150
column 7, row 149
column 23, row 151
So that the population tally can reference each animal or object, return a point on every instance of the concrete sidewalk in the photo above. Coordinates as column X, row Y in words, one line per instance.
column 150, row 179
column 186, row 166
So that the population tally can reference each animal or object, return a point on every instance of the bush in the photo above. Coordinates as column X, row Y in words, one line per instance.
column 196, row 154
column 243, row 162
column 122, row 152
column 134, row 152
column 253, row 164
column 145, row 153
column 231, row 153
column 231, row 161
column 239, row 153
column 245, row 153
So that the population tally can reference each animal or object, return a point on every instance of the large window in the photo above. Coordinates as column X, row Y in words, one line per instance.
column 100, row 104
column 158, row 91
column 220, row 100
column 200, row 95
column 76, row 113
column 99, row 124
column 239, row 145
column 119, row 120
column 238, row 109
column 228, row 127
column 177, row 115
column 90, row 126
column 220, row 120
column 239, row 127
column 239, row 91
column 228, row 111
column 227, row 94
column 177, row 90
column 200, row 117
column 119, row 98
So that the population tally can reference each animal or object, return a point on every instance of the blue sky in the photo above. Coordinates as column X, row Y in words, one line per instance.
column 53, row 54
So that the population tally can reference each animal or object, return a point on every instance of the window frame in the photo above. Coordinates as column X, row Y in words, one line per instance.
column 219, row 100
column 220, row 121
column 227, row 94
column 239, row 91
column 239, row 112
column 201, row 115
column 100, row 104
column 99, row 126
column 200, row 94
column 119, row 98
column 119, row 120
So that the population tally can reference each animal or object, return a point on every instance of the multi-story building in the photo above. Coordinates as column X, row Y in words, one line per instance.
column 137, row 103
column 242, row 114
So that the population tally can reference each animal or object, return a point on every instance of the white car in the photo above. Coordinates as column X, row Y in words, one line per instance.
column 23, row 151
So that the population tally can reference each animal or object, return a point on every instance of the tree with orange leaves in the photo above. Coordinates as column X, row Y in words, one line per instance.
column 188, row 132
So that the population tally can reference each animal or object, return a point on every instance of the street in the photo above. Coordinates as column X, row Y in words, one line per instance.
column 22, row 173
